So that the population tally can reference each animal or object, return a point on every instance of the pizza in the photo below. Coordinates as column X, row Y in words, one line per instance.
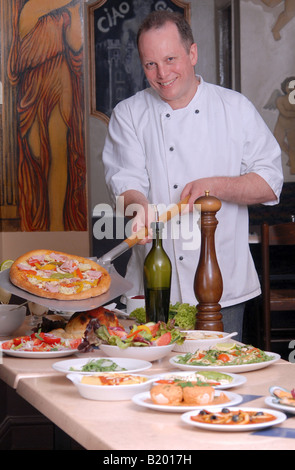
column 60, row 276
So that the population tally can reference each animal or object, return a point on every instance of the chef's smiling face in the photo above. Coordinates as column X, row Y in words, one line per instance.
column 169, row 64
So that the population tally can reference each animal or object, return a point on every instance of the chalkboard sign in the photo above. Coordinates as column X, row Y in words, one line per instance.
column 115, row 69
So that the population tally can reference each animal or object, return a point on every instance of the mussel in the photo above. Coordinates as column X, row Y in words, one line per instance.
column 283, row 396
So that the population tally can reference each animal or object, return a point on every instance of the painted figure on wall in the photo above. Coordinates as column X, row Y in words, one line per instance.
column 284, row 17
column 45, row 65
column 284, row 130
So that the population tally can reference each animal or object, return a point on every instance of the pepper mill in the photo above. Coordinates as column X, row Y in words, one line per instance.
column 208, row 284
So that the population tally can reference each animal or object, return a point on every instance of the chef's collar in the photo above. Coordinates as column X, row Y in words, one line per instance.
column 165, row 107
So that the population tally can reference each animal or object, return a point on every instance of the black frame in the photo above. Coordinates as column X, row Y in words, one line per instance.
column 227, row 14
column 114, row 68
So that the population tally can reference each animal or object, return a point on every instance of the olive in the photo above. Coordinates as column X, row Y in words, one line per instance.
column 259, row 413
column 203, row 412
column 225, row 410
column 235, row 418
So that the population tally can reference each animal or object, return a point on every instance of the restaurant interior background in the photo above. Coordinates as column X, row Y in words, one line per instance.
column 259, row 65
column 237, row 48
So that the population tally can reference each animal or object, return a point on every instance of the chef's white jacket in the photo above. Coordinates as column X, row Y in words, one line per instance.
column 157, row 150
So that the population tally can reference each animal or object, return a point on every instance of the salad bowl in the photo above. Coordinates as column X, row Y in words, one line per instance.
column 201, row 339
column 145, row 353
column 11, row 318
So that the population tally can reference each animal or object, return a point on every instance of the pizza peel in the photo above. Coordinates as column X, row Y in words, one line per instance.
column 119, row 285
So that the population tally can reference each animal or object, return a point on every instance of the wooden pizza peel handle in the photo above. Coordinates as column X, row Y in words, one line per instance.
column 167, row 215
column 129, row 242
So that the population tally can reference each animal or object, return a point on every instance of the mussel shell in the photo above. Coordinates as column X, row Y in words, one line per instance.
column 280, row 392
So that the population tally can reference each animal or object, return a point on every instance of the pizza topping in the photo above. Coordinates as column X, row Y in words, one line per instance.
column 51, row 287
column 69, row 266
column 47, row 272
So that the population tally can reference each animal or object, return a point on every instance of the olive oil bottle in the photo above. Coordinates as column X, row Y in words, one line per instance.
column 157, row 278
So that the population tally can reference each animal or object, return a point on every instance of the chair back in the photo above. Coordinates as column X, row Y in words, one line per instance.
column 278, row 236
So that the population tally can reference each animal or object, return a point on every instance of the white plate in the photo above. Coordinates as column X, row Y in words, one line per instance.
column 37, row 354
column 144, row 399
column 280, row 417
column 237, row 379
column 145, row 353
column 233, row 369
column 271, row 401
column 131, row 365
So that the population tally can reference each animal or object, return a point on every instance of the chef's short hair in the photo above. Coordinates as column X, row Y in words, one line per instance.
column 157, row 19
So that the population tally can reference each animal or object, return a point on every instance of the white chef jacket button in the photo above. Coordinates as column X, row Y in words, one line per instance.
column 197, row 111
column 175, row 186
column 180, row 258
column 167, row 115
column 171, row 149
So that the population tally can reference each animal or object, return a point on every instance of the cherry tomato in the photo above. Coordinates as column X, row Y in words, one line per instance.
column 223, row 357
column 164, row 339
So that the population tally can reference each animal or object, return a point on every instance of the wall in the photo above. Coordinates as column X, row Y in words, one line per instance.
column 14, row 243
column 266, row 62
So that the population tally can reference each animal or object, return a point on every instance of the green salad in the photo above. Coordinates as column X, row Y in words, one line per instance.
column 183, row 315
column 149, row 334
column 233, row 355
column 99, row 365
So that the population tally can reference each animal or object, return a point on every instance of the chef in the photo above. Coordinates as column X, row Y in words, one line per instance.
column 181, row 137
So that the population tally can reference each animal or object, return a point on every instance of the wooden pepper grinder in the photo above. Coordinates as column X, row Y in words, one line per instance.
column 208, row 284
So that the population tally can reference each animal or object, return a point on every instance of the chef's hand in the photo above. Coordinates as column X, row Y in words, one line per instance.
column 137, row 207
column 142, row 223
column 197, row 188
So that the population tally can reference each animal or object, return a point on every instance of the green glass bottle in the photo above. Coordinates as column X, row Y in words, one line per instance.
column 157, row 278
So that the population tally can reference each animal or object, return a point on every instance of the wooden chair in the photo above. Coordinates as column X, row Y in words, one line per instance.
column 276, row 295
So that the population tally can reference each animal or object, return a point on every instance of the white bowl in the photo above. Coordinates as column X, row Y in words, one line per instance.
column 191, row 345
column 145, row 353
column 109, row 392
column 11, row 318
column 133, row 302
column 74, row 366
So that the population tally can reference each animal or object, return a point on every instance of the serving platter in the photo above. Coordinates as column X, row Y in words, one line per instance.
column 144, row 399
column 146, row 353
column 279, row 418
column 230, row 368
column 131, row 365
